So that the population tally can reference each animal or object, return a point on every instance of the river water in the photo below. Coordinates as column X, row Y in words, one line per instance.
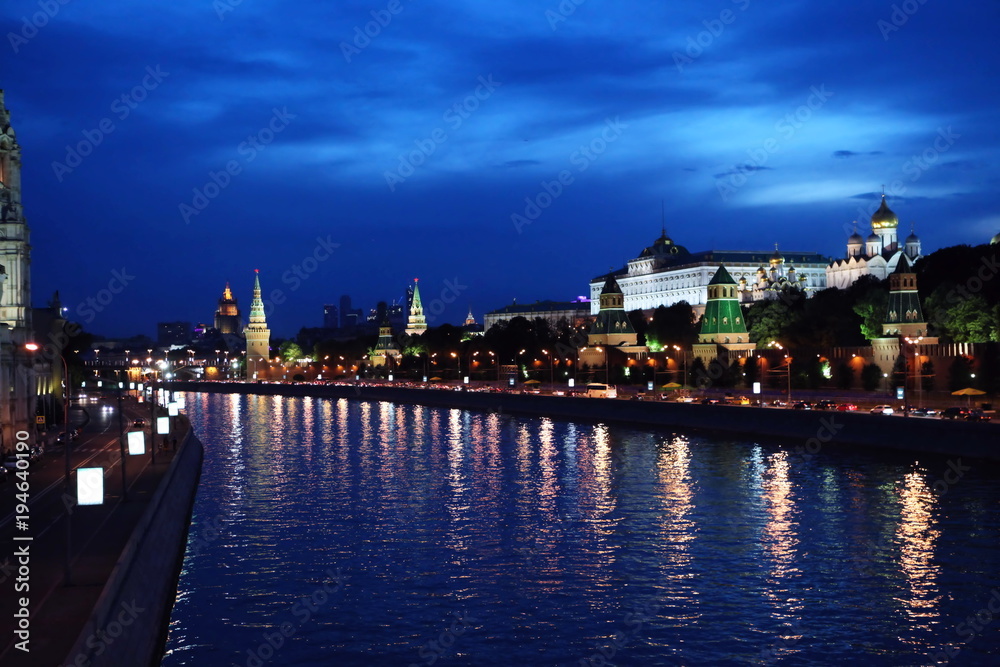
column 333, row 532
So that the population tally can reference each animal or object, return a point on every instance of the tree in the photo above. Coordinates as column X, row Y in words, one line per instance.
column 290, row 352
column 871, row 375
column 870, row 307
column 769, row 320
column 899, row 371
column 672, row 325
column 963, row 320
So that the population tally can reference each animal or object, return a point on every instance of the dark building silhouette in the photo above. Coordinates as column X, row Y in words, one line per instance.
column 173, row 333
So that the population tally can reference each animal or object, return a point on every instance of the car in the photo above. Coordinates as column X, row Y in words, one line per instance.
column 846, row 407
column 923, row 412
column 882, row 410
column 684, row 399
column 954, row 413
column 825, row 404
column 977, row 415
column 139, row 422
column 801, row 406
column 710, row 401
column 10, row 462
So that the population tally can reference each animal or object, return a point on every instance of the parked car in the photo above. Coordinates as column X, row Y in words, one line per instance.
column 954, row 413
column 825, row 404
column 139, row 422
column 846, row 407
column 882, row 410
column 923, row 412
column 977, row 415
column 10, row 462
column 801, row 405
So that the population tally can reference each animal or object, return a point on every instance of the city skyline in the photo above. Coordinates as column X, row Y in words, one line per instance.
column 497, row 153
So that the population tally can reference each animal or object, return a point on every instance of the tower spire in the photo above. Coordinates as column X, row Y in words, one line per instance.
column 416, row 323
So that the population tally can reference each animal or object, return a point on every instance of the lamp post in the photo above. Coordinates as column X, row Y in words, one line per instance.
column 917, row 375
column 788, row 367
column 552, row 378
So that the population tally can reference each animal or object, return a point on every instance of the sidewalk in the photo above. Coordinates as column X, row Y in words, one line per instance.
column 58, row 612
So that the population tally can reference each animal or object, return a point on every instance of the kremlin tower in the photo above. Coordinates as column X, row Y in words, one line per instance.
column 258, row 336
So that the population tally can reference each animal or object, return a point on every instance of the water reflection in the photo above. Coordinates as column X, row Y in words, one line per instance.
column 917, row 534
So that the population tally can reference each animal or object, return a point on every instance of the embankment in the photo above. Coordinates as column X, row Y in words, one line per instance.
column 129, row 622
column 813, row 429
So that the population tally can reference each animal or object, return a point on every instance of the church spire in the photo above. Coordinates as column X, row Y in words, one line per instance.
column 257, row 305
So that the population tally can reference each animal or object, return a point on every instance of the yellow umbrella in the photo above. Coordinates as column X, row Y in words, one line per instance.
column 435, row 379
column 671, row 385
column 532, row 382
column 968, row 391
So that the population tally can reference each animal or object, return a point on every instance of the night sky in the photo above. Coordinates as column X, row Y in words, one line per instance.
column 368, row 161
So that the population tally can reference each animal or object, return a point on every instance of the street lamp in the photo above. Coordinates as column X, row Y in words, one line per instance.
column 552, row 378
column 683, row 354
column 788, row 367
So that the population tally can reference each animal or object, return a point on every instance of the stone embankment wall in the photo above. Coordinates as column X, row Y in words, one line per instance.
column 811, row 429
column 140, row 592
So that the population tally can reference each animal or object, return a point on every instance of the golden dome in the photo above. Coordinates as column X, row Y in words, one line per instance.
column 884, row 218
column 995, row 240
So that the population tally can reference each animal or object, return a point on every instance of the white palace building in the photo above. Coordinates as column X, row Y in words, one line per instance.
column 878, row 255
column 666, row 273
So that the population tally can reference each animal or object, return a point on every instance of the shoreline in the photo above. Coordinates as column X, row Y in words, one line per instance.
column 813, row 429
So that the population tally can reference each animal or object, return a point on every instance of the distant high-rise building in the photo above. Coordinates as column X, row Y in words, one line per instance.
column 173, row 333
column 258, row 336
column 350, row 318
column 331, row 316
column 416, row 323
column 227, row 315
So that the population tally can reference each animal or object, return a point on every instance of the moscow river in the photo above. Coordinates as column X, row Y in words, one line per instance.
column 336, row 532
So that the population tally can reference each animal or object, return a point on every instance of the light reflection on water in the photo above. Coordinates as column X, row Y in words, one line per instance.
column 564, row 541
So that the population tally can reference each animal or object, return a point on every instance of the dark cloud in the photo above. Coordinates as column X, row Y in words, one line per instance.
column 764, row 94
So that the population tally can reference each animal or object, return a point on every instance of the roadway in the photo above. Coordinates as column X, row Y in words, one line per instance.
column 92, row 539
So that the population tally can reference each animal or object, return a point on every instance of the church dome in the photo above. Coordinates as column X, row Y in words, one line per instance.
column 995, row 240
column 912, row 238
column 884, row 218
column 874, row 238
column 855, row 238
column 776, row 258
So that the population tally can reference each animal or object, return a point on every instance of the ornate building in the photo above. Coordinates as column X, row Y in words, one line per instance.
column 612, row 330
column 385, row 347
column 258, row 336
column 17, row 397
column 877, row 255
column 666, row 273
column 227, row 315
column 722, row 325
column 416, row 323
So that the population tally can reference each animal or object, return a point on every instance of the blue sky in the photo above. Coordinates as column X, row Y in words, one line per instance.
column 238, row 135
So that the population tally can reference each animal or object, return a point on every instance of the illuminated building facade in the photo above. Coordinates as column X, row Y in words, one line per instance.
column 416, row 323
column 257, row 335
column 666, row 273
column 227, row 315
column 878, row 255
column 17, row 396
